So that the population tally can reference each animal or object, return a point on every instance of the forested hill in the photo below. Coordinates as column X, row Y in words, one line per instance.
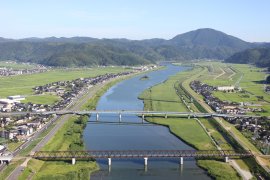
column 84, row 51
column 258, row 56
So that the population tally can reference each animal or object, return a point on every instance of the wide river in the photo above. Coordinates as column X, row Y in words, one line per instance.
column 103, row 136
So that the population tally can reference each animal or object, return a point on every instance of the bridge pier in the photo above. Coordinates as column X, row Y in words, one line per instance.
column 145, row 168
column 145, row 161
column 181, row 160
column 97, row 117
column 189, row 117
column 143, row 118
column 73, row 161
column 166, row 116
column 109, row 162
column 120, row 117
column 226, row 159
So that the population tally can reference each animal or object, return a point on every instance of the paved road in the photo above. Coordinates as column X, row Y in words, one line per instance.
column 220, row 121
column 60, row 122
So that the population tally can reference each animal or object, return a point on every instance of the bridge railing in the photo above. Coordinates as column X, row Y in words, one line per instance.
column 99, row 154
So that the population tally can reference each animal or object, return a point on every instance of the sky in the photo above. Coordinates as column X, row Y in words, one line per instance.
column 133, row 19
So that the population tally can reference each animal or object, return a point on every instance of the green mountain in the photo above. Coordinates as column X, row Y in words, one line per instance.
column 257, row 56
column 85, row 51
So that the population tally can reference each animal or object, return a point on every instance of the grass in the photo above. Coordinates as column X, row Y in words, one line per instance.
column 250, row 79
column 27, row 150
column 13, row 145
column 64, row 170
column 42, row 99
column 220, row 140
column 15, row 65
column 23, row 84
column 67, row 138
column 188, row 130
column 231, row 130
column 218, row 170
column 6, row 172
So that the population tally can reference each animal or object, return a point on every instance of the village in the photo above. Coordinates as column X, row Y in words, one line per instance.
column 4, row 71
column 256, row 129
column 20, row 128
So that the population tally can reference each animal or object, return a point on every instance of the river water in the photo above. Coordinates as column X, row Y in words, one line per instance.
column 114, row 136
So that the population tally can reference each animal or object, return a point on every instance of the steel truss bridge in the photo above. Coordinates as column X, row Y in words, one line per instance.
column 129, row 112
column 127, row 154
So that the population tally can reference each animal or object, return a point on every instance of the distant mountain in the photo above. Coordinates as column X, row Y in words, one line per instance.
column 85, row 51
column 257, row 56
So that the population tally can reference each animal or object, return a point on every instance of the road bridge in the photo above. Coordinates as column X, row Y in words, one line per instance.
column 143, row 114
column 131, row 154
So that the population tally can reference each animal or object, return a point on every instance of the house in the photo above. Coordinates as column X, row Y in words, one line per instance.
column 6, row 104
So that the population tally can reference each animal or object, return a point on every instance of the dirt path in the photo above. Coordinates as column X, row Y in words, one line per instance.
column 233, row 73
column 221, row 74
column 246, row 175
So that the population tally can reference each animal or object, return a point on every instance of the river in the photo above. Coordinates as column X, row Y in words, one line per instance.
column 124, row 96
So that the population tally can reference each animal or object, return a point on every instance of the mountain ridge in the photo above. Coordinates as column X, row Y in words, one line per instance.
column 85, row 51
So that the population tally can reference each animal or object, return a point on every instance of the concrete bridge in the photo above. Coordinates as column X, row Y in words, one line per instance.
column 143, row 114
column 145, row 154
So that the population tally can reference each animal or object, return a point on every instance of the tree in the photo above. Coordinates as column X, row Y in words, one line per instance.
column 268, row 80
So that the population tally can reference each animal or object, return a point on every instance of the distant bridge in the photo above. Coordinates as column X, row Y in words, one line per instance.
column 143, row 114
column 129, row 154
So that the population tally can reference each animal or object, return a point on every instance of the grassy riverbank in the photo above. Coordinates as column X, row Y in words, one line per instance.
column 165, row 97
column 69, row 137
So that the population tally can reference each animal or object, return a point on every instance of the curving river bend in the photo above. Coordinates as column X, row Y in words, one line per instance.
column 124, row 96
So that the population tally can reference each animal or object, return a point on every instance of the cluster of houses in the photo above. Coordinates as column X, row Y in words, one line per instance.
column 20, row 128
column 219, row 106
column 13, row 72
column 69, row 90
column 258, row 127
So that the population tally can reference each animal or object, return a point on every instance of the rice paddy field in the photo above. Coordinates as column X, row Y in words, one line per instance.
column 24, row 84
column 246, row 77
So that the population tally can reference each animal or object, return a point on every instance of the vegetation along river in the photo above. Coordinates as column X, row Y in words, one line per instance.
column 103, row 136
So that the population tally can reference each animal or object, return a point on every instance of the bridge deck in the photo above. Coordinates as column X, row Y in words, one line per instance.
column 54, row 155
column 127, row 112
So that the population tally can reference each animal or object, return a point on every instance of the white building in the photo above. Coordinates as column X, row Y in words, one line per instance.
column 16, row 98
column 225, row 88
column 6, row 104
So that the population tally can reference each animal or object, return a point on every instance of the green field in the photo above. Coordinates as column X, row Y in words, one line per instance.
column 23, row 84
column 67, row 138
column 14, row 65
column 248, row 78
column 42, row 99
column 217, row 170
column 155, row 99
column 163, row 97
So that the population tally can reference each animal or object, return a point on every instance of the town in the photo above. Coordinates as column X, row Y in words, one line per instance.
column 21, row 128
column 256, row 129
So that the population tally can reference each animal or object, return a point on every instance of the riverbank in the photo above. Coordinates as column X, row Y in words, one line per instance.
column 164, row 97
column 69, row 137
